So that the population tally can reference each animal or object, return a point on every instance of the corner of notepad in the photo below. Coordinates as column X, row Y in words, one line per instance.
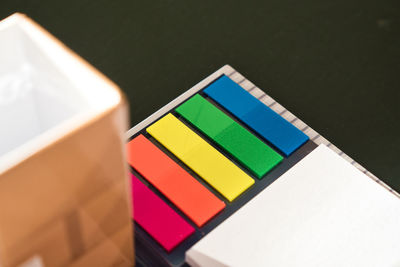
column 197, row 259
column 226, row 69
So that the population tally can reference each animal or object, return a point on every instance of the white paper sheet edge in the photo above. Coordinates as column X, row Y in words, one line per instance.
column 322, row 212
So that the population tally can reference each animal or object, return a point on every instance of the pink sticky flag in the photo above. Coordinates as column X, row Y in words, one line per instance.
column 159, row 220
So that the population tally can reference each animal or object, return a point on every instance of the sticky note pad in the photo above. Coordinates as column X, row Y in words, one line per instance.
column 157, row 218
column 189, row 195
column 321, row 212
column 260, row 118
column 230, row 135
column 201, row 157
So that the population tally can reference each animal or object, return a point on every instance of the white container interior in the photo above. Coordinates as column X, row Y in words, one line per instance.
column 45, row 90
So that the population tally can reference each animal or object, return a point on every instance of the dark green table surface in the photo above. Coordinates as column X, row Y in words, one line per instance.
column 335, row 64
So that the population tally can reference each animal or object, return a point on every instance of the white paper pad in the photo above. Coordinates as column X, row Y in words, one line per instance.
column 322, row 212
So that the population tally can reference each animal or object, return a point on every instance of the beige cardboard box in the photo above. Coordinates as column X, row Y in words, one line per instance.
column 63, row 177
